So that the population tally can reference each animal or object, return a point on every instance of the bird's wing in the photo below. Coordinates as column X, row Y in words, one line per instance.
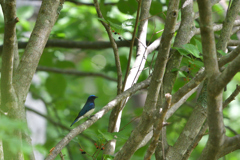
column 87, row 107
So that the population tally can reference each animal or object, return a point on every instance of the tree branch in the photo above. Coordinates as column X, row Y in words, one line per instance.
column 132, row 44
column 232, row 96
column 223, row 79
column 46, row 18
column 228, row 25
column 88, row 4
column 158, row 128
column 114, row 46
column 75, row 72
column 150, row 105
column 214, row 99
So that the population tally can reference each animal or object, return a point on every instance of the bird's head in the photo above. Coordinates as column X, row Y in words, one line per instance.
column 92, row 97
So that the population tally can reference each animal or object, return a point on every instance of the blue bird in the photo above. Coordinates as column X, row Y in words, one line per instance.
column 87, row 109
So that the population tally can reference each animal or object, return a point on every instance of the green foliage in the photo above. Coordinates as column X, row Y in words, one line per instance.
column 127, row 6
column 8, row 128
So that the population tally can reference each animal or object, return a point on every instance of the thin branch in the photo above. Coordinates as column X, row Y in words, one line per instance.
column 231, row 130
column 228, row 25
column 61, row 156
column 75, row 72
column 223, row 79
column 61, row 43
column 48, row 118
column 231, row 144
column 232, row 96
column 234, row 42
column 114, row 46
column 73, row 133
column 132, row 44
column 195, row 141
column 229, row 57
column 88, row 4
column 158, row 128
column 218, row 27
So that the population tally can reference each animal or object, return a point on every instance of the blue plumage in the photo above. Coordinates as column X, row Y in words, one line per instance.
column 87, row 109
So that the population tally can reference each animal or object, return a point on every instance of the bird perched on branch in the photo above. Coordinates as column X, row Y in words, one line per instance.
column 87, row 109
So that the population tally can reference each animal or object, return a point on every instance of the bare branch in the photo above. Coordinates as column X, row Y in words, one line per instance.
column 87, row 4
column 114, row 46
column 158, row 128
column 231, row 144
column 75, row 72
column 223, row 79
column 228, row 25
column 132, row 44
column 214, row 99
column 195, row 142
column 47, row 118
column 232, row 96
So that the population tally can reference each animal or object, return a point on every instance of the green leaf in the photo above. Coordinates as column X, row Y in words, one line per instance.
column 198, row 63
column 56, row 85
column 108, row 157
column 181, row 74
column 182, row 51
column 192, row 50
column 101, row 19
column 108, row 136
column 156, row 8
column 199, row 45
column 127, row 6
column 174, row 70
column 115, row 26
column 138, row 111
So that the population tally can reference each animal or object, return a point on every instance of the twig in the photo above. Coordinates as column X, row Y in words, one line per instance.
column 88, row 4
column 232, row 96
column 232, row 130
column 61, row 155
column 48, row 118
column 132, row 44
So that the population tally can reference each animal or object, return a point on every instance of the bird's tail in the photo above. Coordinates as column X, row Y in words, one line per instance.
column 76, row 120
